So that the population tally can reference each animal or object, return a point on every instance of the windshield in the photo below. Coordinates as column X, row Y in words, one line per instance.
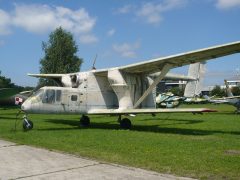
column 49, row 96
column 37, row 96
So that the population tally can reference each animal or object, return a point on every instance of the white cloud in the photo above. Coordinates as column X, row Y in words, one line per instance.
column 111, row 32
column 227, row 4
column 88, row 39
column 125, row 9
column 4, row 23
column 127, row 50
column 36, row 18
column 152, row 12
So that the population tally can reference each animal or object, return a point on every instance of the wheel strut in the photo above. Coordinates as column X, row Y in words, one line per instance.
column 27, row 124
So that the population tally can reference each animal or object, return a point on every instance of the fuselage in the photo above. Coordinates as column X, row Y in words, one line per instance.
column 87, row 91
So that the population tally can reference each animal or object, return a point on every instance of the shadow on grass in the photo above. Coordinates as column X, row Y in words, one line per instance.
column 174, row 121
column 7, row 117
column 142, row 128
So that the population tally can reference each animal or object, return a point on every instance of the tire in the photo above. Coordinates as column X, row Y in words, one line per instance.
column 125, row 123
column 84, row 121
column 27, row 125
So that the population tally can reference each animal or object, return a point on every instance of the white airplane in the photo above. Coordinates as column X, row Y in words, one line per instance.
column 123, row 90
column 232, row 100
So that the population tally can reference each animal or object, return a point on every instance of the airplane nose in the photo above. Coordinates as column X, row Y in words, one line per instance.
column 25, row 106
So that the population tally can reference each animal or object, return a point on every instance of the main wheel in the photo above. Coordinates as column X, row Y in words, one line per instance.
column 125, row 123
column 85, row 121
column 27, row 124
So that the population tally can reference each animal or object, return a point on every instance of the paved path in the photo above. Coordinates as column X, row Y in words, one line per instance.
column 25, row 162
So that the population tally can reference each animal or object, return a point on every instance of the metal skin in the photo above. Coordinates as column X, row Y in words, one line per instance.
column 118, row 91
column 93, row 92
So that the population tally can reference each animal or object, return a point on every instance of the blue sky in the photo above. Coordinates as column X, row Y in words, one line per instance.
column 119, row 32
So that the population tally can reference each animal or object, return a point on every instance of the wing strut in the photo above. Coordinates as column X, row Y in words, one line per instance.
column 164, row 71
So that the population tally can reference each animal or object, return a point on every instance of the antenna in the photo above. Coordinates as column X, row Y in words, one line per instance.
column 93, row 66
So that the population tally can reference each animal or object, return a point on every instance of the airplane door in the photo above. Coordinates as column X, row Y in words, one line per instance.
column 77, row 101
column 74, row 102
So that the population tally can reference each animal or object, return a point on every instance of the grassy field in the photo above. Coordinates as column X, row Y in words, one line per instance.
column 201, row 146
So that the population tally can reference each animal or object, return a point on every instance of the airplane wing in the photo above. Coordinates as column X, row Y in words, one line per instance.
column 232, row 97
column 156, row 65
column 148, row 111
column 50, row 76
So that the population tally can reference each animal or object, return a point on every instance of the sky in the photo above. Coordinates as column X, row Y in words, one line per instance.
column 120, row 32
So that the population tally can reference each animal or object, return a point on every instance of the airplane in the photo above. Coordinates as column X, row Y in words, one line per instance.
column 7, row 92
column 232, row 100
column 12, row 96
column 168, row 100
column 192, row 90
column 124, row 90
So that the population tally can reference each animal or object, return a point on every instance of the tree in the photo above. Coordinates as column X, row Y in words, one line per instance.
column 217, row 91
column 5, row 82
column 177, row 91
column 60, row 55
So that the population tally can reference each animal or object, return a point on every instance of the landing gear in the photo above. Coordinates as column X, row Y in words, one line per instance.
column 85, row 121
column 27, row 124
column 125, row 123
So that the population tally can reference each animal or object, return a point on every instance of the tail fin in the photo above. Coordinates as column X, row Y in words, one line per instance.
column 229, row 92
column 193, row 88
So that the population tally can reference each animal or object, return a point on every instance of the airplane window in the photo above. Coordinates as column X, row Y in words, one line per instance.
column 49, row 96
column 58, row 95
column 74, row 97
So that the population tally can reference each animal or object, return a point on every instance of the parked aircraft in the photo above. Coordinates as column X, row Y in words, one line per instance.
column 12, row 96
column 192, row 90
column 168, row 100
column 7, row 92
column 115, row 91
column 233, row 100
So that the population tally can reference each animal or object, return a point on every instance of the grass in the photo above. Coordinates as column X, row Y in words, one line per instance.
column 200, row 146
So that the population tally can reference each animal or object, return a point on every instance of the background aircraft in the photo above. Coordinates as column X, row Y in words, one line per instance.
column 12, row 96
column 192, row 90
column 7, row 92
column 116, row 91
column 233, row 100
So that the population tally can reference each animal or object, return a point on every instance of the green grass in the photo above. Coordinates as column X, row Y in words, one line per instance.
column 201, row 146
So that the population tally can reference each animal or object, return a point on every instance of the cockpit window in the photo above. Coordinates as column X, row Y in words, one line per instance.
column 38, row 93
column 49, row 96
column 37, row 96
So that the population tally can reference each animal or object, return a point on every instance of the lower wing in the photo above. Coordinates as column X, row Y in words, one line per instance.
column 149, row 111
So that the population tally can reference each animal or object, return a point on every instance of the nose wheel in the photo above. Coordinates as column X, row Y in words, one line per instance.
column 27, row 124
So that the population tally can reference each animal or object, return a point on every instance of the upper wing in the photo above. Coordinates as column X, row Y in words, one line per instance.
column 156, row 65
column 50, row 76
column 149, row 111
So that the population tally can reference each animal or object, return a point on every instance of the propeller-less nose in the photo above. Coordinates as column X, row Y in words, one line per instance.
column 25, row 106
